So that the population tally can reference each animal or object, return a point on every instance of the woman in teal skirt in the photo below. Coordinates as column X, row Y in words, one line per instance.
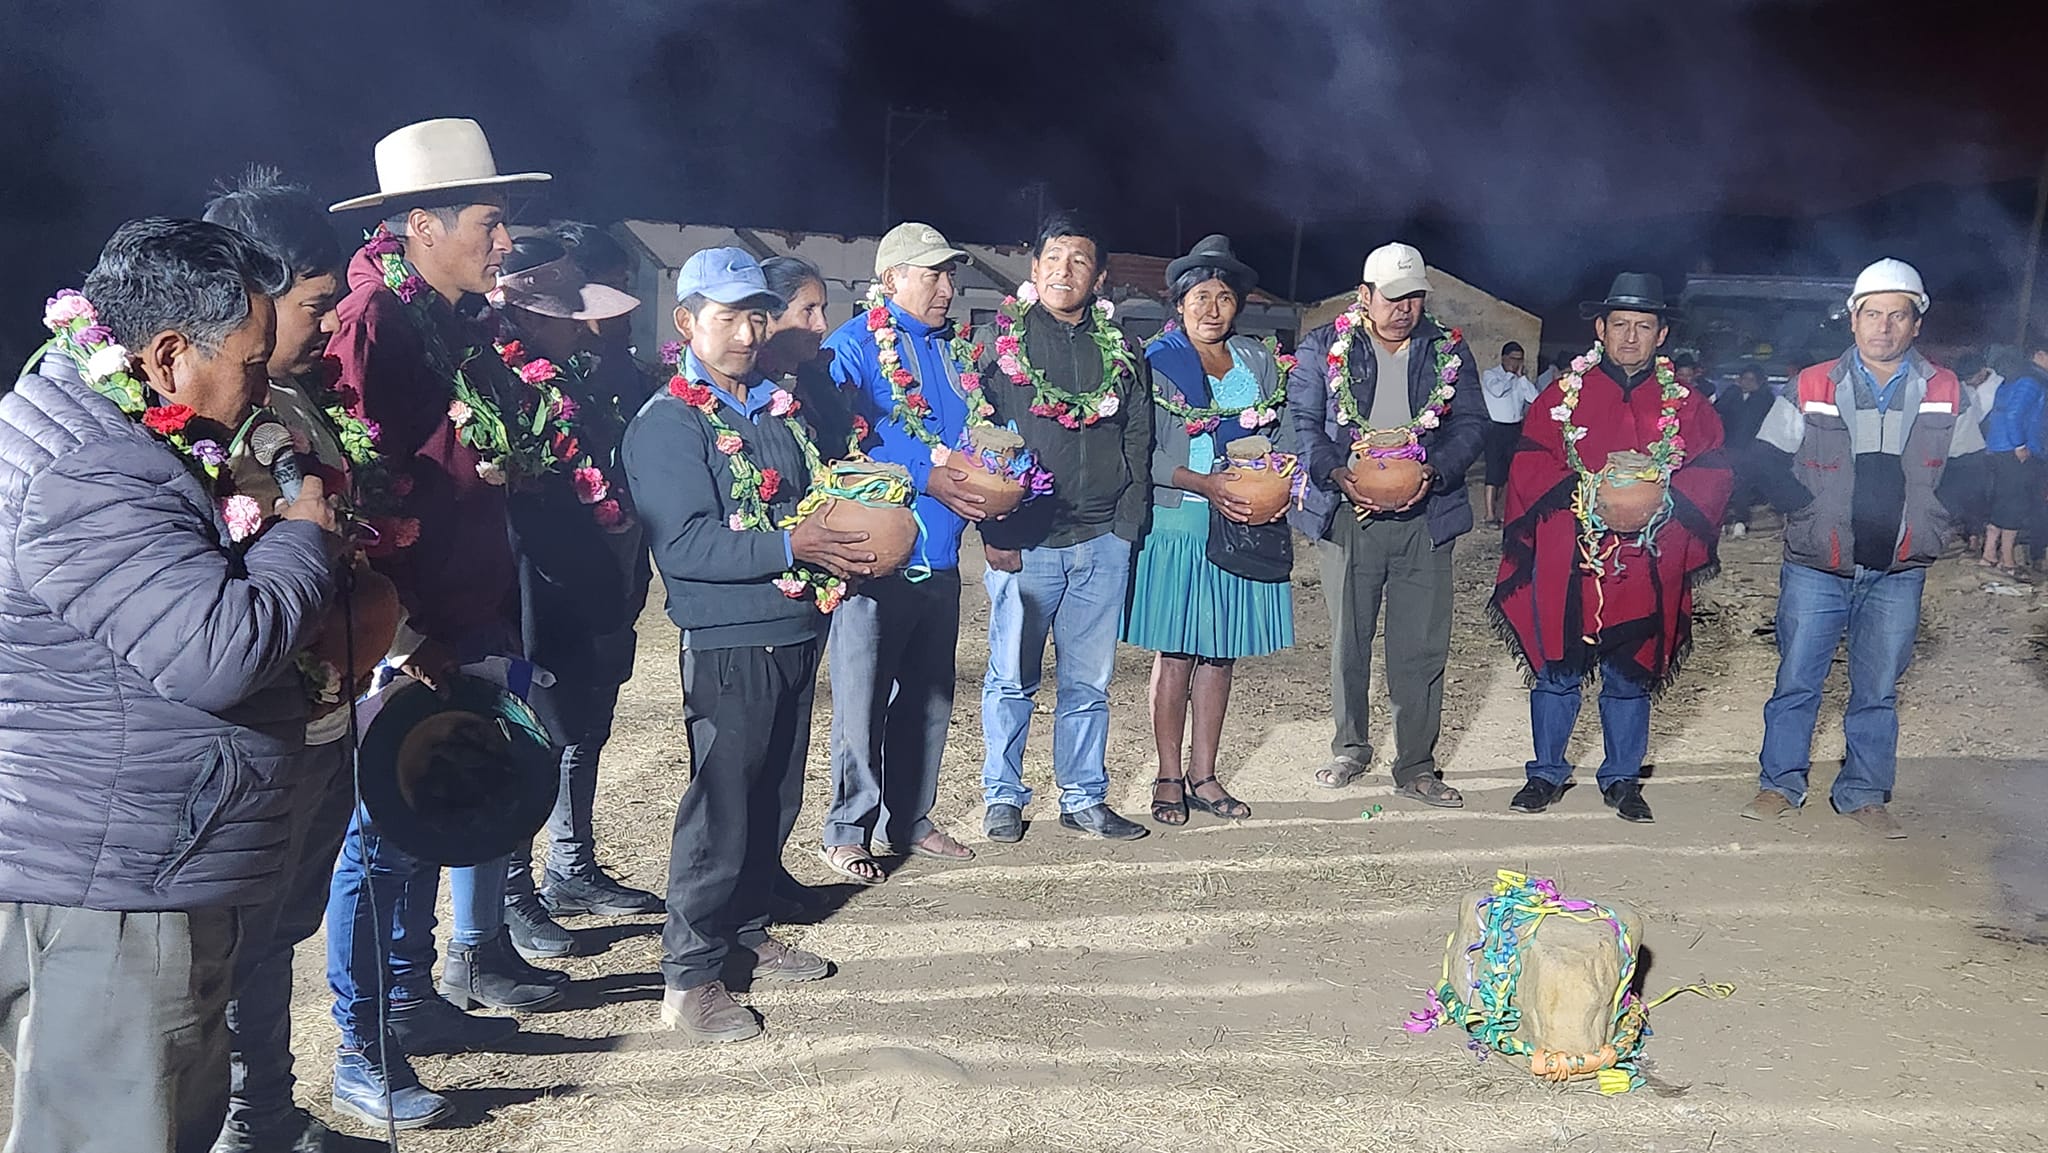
column 1211, row 386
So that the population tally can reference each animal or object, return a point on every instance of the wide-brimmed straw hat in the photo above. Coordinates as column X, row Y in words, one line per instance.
column 560, row 288
column 432, row 157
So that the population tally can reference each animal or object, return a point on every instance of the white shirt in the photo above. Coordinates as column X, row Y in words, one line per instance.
column 1508, row 394
column 1970, row 425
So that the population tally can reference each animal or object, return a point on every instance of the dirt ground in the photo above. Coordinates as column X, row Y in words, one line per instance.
column 1241, row 986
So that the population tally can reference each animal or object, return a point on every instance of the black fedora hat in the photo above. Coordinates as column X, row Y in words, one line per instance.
column 458, row 778
column 1632, row 292
column 1212, row 251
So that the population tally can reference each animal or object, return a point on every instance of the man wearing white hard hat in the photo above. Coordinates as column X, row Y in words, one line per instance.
column 1856, row 453
column 1385, row 377
column 403, row 329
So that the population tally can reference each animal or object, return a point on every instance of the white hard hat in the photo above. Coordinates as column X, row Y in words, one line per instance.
column 1890, row 275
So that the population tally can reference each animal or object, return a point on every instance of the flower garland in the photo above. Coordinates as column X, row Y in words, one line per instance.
column 1665, row 457
column 1057, row 404
column 1669, row 451
column 1208, row 418
column 1338, row 371
column 911, row 409
column 558, row 414
column 535, row 442
column 376, row 492
column 753, row 487
column 76, row 331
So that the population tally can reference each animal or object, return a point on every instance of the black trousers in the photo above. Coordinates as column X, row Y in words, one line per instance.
column 747, row 714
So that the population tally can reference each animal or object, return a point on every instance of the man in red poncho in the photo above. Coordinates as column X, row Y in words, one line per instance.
column 1575, row 590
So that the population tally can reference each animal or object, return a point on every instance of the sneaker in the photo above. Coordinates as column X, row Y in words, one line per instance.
column 534, row 933
column 593, row 891
column 1769, row 805
column 1879, row 820
column 360, row 1091
column 775, row 961
column 708, row 1013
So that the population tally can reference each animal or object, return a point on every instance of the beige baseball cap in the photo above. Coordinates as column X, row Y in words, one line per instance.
column 916, row 244
column 1396, row 270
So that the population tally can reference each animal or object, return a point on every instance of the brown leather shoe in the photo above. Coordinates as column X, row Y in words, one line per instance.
column 775, row 961
column 1878, row 819
column 1768, row 805
column 708, row 1013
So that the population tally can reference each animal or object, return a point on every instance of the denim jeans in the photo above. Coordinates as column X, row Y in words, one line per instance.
column 581, row 715
column 892, row 655
column 1624, row 723
column 1880, row 612
column 1076, row 594
column 382, row 891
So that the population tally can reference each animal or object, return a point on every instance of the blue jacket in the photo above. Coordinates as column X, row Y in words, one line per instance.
column 923, row 351
column 2016, row 416
column 150, row 717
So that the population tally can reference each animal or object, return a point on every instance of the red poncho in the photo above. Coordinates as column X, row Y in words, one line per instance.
column 1544, row 603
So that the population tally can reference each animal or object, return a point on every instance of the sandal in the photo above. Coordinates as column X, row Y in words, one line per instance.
column 1174, row 812
column 1433, row 792
column 1340, row 772
column 939, row 846
column 1225, row 806
column 853, row 863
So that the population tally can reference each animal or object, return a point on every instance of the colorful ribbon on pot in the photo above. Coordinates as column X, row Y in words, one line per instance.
column 875, row 489
column 1486, row 1007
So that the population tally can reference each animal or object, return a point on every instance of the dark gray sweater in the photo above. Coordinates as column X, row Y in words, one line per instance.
column 720, row 582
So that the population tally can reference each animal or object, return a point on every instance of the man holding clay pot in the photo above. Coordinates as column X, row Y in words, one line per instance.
column 1615, row 498
column 1388, row 417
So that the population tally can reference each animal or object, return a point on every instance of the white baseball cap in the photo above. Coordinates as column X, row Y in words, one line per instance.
column 1396, row 270
column 1890, row 275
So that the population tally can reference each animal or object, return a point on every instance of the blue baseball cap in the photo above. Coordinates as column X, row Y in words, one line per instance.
column 726, row 275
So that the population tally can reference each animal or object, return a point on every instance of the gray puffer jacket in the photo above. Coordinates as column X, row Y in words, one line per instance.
column 149, row 709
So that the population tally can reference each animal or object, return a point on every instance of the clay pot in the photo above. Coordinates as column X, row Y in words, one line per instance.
column 1570, row 970
column 373, row 608
column 1000, row 494
column 1269, row 490
column 1386, row 481
column 1625, row 501
column 891, row 528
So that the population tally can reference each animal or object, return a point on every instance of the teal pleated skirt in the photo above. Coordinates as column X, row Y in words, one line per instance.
column 1181, row 603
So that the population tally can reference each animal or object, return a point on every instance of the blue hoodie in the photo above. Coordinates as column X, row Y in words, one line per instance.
column 2016, row 415
column 922, row 348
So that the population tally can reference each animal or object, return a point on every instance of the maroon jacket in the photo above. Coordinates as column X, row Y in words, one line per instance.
column 458, row 582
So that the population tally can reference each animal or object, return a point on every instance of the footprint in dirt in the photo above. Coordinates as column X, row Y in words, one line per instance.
column 896, row 1062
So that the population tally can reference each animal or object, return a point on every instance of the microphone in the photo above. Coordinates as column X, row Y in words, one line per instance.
column 270, row 442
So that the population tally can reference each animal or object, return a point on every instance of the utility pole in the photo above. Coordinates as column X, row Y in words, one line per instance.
column 1036, row 189
column 2033, row 253
column 918, row 118
column 1294, row 272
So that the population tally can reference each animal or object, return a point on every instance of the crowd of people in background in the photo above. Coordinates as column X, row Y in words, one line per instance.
column 487, row 448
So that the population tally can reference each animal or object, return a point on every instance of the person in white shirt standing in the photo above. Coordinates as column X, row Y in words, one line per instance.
column 1966, row 485
column 1508, row 396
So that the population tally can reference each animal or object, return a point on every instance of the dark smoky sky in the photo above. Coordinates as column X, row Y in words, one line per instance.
column 1533, row 146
